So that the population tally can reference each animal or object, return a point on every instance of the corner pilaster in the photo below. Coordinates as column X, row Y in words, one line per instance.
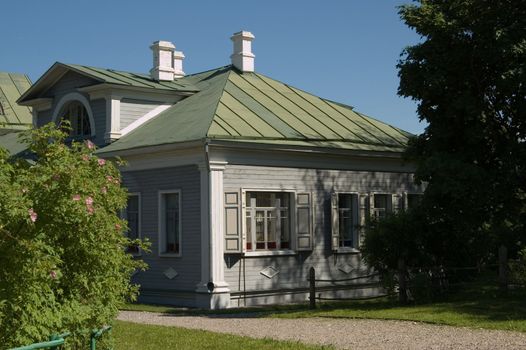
column 213, row 291
column 113, row 118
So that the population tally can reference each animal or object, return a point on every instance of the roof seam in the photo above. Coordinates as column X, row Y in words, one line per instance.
column 217, row 103
column 319, row 109
column 292, row 114
column 298, row 106
column 262, row 106
column 237, row 115
column 9, row 102
column 226, row 123
column 367, row 119
column 352, row 121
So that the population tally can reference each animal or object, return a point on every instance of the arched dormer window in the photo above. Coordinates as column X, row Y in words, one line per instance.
column 78, row 117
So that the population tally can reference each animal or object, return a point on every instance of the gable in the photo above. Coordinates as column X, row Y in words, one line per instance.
column 68, row 82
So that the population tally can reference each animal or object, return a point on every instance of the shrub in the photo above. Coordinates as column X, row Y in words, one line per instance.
column 63, row 265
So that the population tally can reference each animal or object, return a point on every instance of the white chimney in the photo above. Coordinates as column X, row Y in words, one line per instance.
column 178, row 64
column 242, row 57
column 163, row 60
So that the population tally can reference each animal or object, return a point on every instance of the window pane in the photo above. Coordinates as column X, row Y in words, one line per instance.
column 380, row 201
column 345, row 215
column 268, row 225
column 171, row 222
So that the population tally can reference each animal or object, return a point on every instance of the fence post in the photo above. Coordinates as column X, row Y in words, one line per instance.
column 312, row 289
column 402, row 285
column 503, row 269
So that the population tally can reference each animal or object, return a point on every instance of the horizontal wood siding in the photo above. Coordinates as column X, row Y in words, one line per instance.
column 69, row 83
column 188, row 267
column 44, row 117
column 98, row 107
column 131, row 110
column 293, row 270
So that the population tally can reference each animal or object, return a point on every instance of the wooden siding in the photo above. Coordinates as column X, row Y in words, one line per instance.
column 293, row 269
column 188, row 266
column 131, row 110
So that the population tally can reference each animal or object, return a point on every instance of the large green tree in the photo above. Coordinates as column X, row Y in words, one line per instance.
column 468, row 75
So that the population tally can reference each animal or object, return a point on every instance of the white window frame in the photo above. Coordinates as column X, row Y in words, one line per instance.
column 292, row 222
column 389, row 207
column 139, row 223
column 74, row 97
column 161, row 233
column 356, row 230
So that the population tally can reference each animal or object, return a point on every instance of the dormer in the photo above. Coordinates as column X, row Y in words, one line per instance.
column 102, row 104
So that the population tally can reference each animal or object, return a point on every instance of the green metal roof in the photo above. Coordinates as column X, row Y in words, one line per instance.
column 252, row 108
column 111, row 76
column 12, row 115
column 104, row 76
column 11, row 141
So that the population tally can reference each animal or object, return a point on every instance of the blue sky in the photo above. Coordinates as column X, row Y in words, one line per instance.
column 343, row 50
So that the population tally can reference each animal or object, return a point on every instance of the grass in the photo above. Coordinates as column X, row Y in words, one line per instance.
column 146, row 337
column 477, row 305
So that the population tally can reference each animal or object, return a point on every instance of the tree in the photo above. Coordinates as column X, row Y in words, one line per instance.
column 63, row 265
column 468, row 75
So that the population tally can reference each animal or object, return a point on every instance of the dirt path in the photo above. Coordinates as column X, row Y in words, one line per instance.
column 342, row 333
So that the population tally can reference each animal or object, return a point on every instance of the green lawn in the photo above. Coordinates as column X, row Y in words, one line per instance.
column 145, row 337
column 478, row 305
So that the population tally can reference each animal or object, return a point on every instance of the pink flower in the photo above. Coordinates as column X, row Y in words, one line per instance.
column 90, row 144
column 109, row 178
column 89, row 201
column 76, row 197
column 24, row 190
column 53, row 275
column 32, row 215
column 104, row 190
column 85, row 157
column 118, row 227
column 101, row 161
column 90, row 209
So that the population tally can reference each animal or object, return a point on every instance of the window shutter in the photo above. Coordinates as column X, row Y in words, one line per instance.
column 371, row 205
column 404, row 201
column 233, row 232
column 304, row 221
column 396, row 202
column 335, row 222
column 364, row 204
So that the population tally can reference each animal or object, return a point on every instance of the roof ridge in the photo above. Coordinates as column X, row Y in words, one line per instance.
column 227, row 78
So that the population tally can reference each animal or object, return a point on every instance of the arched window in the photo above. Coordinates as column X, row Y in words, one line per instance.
column 77, row 115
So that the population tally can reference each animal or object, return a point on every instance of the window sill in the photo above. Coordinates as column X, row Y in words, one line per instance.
column 347, row 250
column 169, row 255
column 270, row 253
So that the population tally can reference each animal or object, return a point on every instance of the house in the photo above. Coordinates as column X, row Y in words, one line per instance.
column 240, row 182
column 13, row 117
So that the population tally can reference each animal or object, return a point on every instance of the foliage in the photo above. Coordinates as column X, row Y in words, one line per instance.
column 518, row 269
column 468, row 76
column 63, row 265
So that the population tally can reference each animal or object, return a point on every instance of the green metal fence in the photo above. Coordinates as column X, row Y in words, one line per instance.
column 56, row 340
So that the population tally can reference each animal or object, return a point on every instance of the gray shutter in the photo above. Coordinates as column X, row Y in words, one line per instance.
column 404, row 201
column 371, row 206
column 364, row 213
column 335, row 222
column 304, row 221
column 396, row 202
column 233, row 232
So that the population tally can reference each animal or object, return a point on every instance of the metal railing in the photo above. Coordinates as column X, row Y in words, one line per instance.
column 56, row 340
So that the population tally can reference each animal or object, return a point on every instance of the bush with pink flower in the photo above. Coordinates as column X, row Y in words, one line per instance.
column 63, row 260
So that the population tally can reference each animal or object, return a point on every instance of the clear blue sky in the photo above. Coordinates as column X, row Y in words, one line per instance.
column 343, row 50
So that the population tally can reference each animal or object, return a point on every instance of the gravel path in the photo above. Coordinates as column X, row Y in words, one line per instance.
column 342, row 333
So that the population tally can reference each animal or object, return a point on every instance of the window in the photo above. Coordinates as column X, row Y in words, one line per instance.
column 132, row 214
column 77, row 115
column 170, row 222
column 381, row 205
column 347, row 216
column 268, row 220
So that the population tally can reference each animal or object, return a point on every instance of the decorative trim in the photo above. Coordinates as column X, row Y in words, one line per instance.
column 150, row 115
column 269, row 272
column 170, row 273
column 75, row 96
